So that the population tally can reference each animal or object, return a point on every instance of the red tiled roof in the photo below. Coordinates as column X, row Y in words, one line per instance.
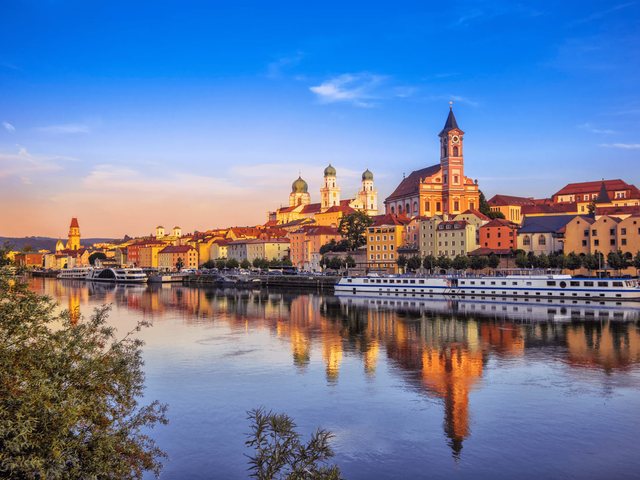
column 549, row 208
column 499, row 222
column 312, row 208
column 411, row 184
column 74, row 223
column 392, row 219
column 342, row 208
column 624, row 210
column 477, row 213
column 322, row 230
column 177, row 249
column 594, row 187
column 503, row 200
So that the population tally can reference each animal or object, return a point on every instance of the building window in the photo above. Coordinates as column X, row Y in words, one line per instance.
column 542, row 240
column 623, row 231
column 391, row 256
column 596, row 243
column 623, row 241
column 455, row 151
column 594, row 233
column 612, row 241
column 393, row 210
column 586, row 233
column 456, row 205
column 584, row 243
column 526, row 240
column 612, row 231
column 438, row 207
column 426, row 206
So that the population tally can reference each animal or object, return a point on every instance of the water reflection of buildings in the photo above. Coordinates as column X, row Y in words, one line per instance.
column 440, row 348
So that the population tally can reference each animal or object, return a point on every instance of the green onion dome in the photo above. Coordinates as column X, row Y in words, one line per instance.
column 367, row 175
column 299, row 186
column 329, row 171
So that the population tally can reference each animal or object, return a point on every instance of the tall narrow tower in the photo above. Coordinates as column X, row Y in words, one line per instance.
column 74, row 235
column 368, row 195
column 452, row 163
column 330, row 191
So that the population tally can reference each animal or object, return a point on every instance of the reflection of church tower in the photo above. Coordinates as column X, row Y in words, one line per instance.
column 332, row 356
column 74, row 306
column 299, row 194
column 330, row 191
column 452, row 371
column 368, row 195
column 74, row 235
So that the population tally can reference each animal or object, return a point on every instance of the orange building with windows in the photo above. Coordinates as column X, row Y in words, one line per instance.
column 499, row 234
column 442, row 188
column 169, row 256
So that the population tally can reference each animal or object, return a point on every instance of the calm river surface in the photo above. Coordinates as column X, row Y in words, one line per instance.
column 411, row 389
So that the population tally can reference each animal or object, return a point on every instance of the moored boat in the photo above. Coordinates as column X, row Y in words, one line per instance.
column 118, row 275
column 531, row 283
column 76, row 273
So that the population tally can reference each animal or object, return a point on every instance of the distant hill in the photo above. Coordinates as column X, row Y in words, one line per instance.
column 46, row 243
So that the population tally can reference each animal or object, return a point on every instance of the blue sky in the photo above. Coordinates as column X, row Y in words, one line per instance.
column 133, row 114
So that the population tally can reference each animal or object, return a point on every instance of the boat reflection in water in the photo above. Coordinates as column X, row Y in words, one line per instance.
column 439, row 348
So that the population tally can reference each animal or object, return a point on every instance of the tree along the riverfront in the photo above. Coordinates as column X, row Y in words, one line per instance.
column 402, row 262
column 179, row 264
column 414, row 263
column 636, row 262
column 261, row 263
column 349, row 262
column 493, row 260
column 479, row 262
column 280, row 454
column 96, row 255
column 221, row 263
column 444, row 262
column 335, row 263
column 617, row 261
column 69, row 393
column 209, row 264
column 353, row 227
column 461, row 262
column 430, row 262
column 233, row 263
column 245, row 263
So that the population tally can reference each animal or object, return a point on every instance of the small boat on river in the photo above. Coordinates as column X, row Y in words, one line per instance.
column 528, row 283
column 118, row 275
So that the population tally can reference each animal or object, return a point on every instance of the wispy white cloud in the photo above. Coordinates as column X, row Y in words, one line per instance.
column 626, row 146
column 24, row 163
column 352, row 88
column 63, row 129
column 274, row 69
column 590, row 128
column 9, row 65
column 8, row 126
column 598, row 15
column 478, row 11
column 25, row 180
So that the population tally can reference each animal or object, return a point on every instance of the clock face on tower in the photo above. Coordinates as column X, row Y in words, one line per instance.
column 455, row 139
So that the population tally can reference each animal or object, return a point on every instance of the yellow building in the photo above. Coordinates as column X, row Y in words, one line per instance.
column 383, row 239
column 169, row 256
column 148, row 255
column 509, row 206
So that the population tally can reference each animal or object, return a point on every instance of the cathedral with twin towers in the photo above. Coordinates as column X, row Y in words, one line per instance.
column 300, row 206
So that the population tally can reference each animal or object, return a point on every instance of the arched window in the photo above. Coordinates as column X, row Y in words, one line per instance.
column 444, row 151
column 415, row 207
column 455, row 151
column 393, row 210
column 455, row 179
column 408, row 209
column 526, row 240
column 542, row 240
column 399, row 209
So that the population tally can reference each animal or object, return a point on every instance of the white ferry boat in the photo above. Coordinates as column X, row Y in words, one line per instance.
column 118, row 275
column 506, row 283
column 76, row 273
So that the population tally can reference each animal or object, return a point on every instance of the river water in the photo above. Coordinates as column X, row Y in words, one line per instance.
column 411, row 388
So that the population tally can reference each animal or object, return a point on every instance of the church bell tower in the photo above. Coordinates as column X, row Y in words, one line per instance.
column 452, row 163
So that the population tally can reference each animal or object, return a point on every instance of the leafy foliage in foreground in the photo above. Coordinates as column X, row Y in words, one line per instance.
column 68, row 394
column 280, row 454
